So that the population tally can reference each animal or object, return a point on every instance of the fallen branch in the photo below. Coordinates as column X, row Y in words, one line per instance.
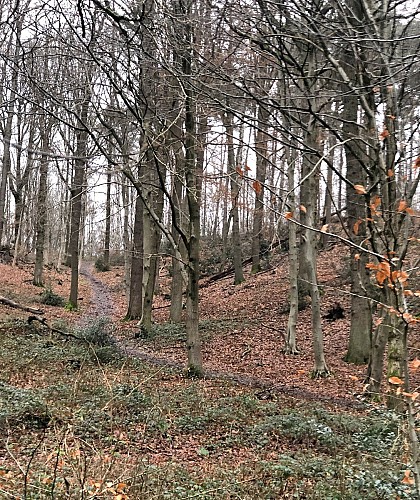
column 43, row 322
column 231, row 270
column 15, row 305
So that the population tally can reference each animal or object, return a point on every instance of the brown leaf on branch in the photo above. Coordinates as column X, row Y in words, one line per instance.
column 359, row 189
column 384, row 134
column 257, row 186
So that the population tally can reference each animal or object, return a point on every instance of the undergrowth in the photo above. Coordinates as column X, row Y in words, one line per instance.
column 73, row 426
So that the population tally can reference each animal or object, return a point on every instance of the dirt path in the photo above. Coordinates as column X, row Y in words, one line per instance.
column 101, row 302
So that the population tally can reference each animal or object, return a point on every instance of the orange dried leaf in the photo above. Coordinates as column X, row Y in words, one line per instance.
column 357, row 256
column 390, row 173
column 400, row 276
column 375, row 202
column 324, row 228
column 407, row 479
column 409, row 210
column 288, row 215
column 356, row 226
column 395, row 381
column 239, row 171
column 371, row 265
column 409, row 318
column 303, row 209
column 384, row 134
column 257, row 187
column 416, row 163
column 384, row 272
column 415, row 364
column 402, row 205
column 359, row 189
column 352, row 377
column 411, row 395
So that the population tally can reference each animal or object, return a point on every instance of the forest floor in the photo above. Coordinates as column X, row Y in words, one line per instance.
column 120, row 420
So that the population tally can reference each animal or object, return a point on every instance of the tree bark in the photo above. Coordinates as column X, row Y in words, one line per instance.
column 261, row 148
column 135, row 303
column 361, row 315
column 78, row 181
column 234, row 196
column 41, row 219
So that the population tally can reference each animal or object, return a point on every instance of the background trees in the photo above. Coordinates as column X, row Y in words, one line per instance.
column 196, row 119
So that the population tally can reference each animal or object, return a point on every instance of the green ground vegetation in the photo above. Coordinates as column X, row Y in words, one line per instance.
column 81, row 420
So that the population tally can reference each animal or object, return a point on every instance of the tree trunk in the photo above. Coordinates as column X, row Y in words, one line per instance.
column 107, row 217
column 309, row 196
column 361, row 315
column 193, row 191
column 79, row 176
column 261, row 148
column 234, row 195
column 8, row 130
column 41, row 219
column 135, row 303
column 152, row 237
column 290, row 159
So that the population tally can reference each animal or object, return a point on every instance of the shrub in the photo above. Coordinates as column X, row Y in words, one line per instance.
column 98, row 332
column 50, row 298
column 22, row 406
column 165, row 332
column 100, row 265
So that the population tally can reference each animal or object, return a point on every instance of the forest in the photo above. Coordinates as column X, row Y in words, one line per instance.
column 209, row 249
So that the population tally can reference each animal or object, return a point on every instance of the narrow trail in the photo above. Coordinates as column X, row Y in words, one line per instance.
column 102, row 306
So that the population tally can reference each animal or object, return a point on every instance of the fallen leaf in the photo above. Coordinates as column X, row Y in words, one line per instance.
column 395, row 381
column 407, row 479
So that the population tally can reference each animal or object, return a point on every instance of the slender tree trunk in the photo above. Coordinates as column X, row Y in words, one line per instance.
column 125, row 195
column 107, row 217
column 135, row 304
column 309, row 196
column 41, row 219
column 261, row 148
column 79, row 176
column 234, row 194
column 291, row 345
column 152, row 237
column 8, row 130
column 177, row 283
column 193, row 189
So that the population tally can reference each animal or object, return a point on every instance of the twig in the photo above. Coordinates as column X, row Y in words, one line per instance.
column 274, row 330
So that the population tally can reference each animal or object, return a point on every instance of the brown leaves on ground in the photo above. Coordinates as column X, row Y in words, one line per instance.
column 243, row 326
column 248, row 323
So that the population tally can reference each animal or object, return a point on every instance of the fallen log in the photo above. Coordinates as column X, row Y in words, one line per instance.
column 231, row 270
column 15, row 305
